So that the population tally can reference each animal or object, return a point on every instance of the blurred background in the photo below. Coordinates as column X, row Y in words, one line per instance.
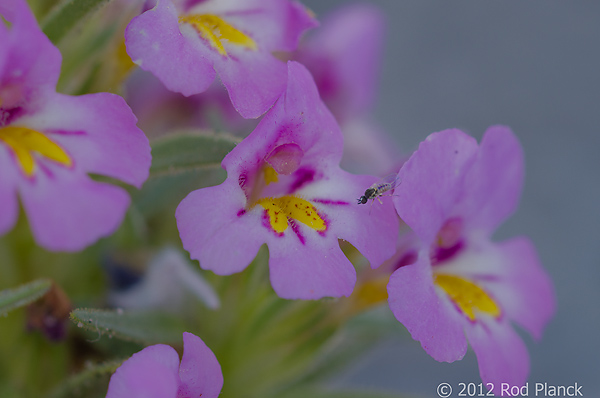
column 534, row 66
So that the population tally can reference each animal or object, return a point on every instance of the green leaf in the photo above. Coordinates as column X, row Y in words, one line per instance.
column 192, row 150
column 144, row 327
column 182, row 162
column 90, row 383
column 23, row 295
column 168, row 191
column 66, row 15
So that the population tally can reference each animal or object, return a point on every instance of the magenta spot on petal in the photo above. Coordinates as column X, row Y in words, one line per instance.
column 65, row 132
column 296, row 230
column 450, row 233
column 266, row 222
column 303, row 176
column 448, row 241
column 191, row 3
column 325, row 221
column 46, row 170
column 331, row 202
column 242, row 180
column 9, row 115
column 408, row 258
column 441, row 254
column 286, row 158
column 241, row 212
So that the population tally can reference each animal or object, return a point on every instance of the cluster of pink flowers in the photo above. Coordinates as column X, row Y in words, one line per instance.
column 284, row 188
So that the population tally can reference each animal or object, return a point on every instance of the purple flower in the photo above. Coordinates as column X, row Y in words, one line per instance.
column 462, row 286
column 155, row 372
column 185, row 43
column 284, row 188
column 344, row 56
column 160, row 111
column 49, row 143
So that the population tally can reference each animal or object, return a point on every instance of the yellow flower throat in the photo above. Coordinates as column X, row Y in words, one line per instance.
column 24, row 142
column 216, row 30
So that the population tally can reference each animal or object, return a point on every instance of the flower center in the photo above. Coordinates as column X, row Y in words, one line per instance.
column 216, row 30
column 280, row 211
column 24, row 141
column 468, row 296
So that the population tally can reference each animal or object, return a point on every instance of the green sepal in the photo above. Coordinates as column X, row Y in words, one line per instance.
column 90, row 383
column 23, row 295
column 144, row 327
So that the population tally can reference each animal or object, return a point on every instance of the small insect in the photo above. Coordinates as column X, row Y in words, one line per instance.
column 377, row 190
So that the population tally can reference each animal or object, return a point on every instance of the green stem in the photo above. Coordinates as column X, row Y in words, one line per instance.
column 66, row 15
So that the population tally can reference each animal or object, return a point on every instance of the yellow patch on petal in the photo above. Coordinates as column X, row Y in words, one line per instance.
column 468, row 296
column 372, row 291
column 214, row 29
column 281, row 209
column 270, row 175
column 24, row 141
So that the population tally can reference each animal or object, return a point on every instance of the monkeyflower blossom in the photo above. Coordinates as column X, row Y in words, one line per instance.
column 50, row 142
column 186, row 42
column 284, row 188
column 462, row 286
column 155, row 372
column 344, row 56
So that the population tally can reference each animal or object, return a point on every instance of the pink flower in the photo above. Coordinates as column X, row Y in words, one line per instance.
column 185, row 43
column 344, row 56
column 50, row 142
column 155, row 372
column 463, row 286
column 284, row 188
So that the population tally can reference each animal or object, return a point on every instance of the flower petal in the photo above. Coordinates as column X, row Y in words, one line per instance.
column 200, row 372
column 493, row 184
column 432, row 180
column 31, row 60
column 527, row 295
column 368, row 149
column 254, row 81
column 99, row 133
column 370, row 228
column 154, row 42
column 213, row 230
column 501, row 354
column 8, row 193
column 298, row 117
column 311, row 270
column 344, row 56
column 429, row 317
column 274, row 24
column 150, row 373
column 511, row 272
column 68, row 211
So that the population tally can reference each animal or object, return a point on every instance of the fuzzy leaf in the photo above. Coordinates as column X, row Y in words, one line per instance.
column 90, row 383
column 181, row 163
column 23, row 295
column 190, row 150
column 66, row 15
column 144, row 327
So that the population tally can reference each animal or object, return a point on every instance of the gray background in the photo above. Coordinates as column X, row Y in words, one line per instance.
column 534, row 66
